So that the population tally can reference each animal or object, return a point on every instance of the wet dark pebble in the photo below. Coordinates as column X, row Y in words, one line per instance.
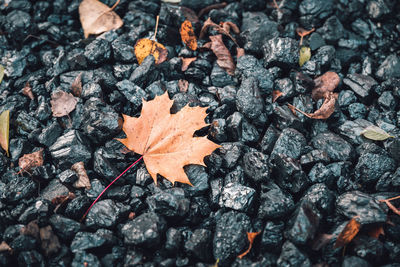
column 287, row 176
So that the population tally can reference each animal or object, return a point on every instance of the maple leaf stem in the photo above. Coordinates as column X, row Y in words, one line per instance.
column 105, row 189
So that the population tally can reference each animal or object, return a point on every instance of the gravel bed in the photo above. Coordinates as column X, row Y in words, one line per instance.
column 294, row 179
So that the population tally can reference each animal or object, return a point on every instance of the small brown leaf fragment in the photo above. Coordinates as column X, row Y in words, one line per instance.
column 275, row 95
column 250, row 237
column 303, row 32
column 228, row 26
column 97, row 17
column 324, row 112
column 61, row 200
column 76, row 86
column 209, row 23
column 27, row 90
column 183, row 85
column 31, row 229
column 186, row 62
column 348, row 233
column 239, row 52
column 29, row 161
column 62, row 103
column 211, row 7
column 187, row 35
column 131, row 215
column 83, row 178
column 325, row 83
column 49, row 241
column 224, row 58
column 5, row 247
column 321, row 241
column 376, row 232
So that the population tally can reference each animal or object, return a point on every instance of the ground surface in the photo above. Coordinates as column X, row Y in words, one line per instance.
column 291, row 178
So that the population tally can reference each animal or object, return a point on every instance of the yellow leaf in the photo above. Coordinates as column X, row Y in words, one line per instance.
column 1, row 73
column 97, row 17
column 348, row 233
column 166, row 140
column 5, row 130
column 375, row 133
column 305, row 55
column 145, row 47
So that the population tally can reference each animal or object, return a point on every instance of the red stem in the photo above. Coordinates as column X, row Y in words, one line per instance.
column 102, row 192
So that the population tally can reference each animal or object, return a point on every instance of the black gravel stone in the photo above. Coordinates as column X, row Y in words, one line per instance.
column 248, row 99
column 145, row 230
column 105, row 214
column 50, row 134
column 275, row 204
column 133, row 93
column 230, row 236
column 200, row 245
column 255, row 166
column 70, row 148
column 98, row 51
column 146, row 73
column 362, row 85
column 336, row 147
column 64, row 227
column 290, row 143
column 18, row 189
column 237, row 197
column 389, row 68
column 281, row 52
column 356, row 203
column 81, row 258
column 292, row 256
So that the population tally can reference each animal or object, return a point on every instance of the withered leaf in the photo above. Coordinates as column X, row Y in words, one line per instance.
column 325, row 83
column 305, row 55
column 49, row 241
column 58, row 201
column 211, row 7
column 29, row 161
column 186, row 62
column 250, row 237
column 324, row 112
column 145, row 47
column 5, row 130
column 224, row 58
column 321, row 241
column 226, row 31
column 83, row 178
column 5, row 247
column 239, row 52
column 166, row 140
column 97, row 17
column 303, row 32
column 275, row 95
column 27, row 90
column 375, row 133
column 76, row 86
column 62, row 103
column 349, row 232
column 187, row 35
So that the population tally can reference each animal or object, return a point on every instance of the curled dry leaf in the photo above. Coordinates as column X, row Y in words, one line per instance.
column 224, row 58
column 145, row 47
column 324, row 112
column 183, row 85
column 5, row 130
column 186, row 62
column 305, row 55
column 275, row 95
column 225, row 29
column 187, row 35
column 49, row 241
column 166, row 140
column 250, row 237
column 29, row 161
column 27, row 90
column 76, row 86
column 348, row 233
column 62, row 103
column 83, row 178
column 4, row 247
column 97, row 17
column 325, row 83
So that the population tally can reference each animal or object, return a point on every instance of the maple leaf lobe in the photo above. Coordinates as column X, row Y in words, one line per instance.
column 166, row 140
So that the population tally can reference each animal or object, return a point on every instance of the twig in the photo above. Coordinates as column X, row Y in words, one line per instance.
column 155, row 31
column 39, row 38
column 105, row 189
column 115, row 5
column 277, row 7
column 211, row 7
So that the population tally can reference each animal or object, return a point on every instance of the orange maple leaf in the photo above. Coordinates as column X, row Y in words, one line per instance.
column 250, row 237
column 348, row 233
column 166, row 140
